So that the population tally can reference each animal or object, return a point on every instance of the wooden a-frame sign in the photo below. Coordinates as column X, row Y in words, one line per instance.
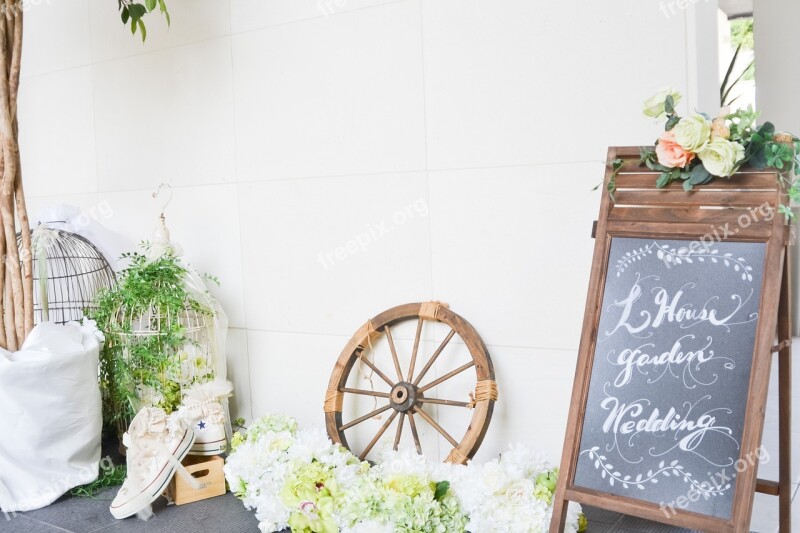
column 686, row 296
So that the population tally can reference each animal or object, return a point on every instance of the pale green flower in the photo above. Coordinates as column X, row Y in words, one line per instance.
column 583, row 523
column 720, row 157
column 237, row 440
column 654, row 106
column 542, row 493
column 693, row 132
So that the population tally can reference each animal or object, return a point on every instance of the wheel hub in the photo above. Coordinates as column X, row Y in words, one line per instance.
column 403, row 396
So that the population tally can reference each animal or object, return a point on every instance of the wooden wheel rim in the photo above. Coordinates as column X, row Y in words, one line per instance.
column 407, row 397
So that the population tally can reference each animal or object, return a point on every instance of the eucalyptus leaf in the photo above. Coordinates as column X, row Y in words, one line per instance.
column 699, row 175
column 672, row 122
column 767, row 130
column 669, row 105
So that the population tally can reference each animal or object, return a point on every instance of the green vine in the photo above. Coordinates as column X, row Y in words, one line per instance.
column 611, row 187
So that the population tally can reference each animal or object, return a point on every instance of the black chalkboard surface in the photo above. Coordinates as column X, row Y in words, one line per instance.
column 669, row 381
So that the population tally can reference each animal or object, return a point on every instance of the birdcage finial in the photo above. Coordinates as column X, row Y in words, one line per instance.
column 157, row 192
column 161, row 243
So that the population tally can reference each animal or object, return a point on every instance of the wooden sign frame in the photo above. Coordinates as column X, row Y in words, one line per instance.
column 641, row 210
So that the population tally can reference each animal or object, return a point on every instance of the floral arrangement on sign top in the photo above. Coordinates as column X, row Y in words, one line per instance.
column 696, row 148
column 297, row 478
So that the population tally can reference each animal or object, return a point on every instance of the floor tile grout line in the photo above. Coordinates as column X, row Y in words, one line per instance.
column 102, row 528
column 42, row 522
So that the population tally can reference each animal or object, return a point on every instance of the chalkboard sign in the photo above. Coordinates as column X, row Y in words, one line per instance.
column 686, row 294
column 666, row 405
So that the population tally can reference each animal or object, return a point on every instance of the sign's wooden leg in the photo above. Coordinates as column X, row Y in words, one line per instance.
column 785, row 401
column 560, row 511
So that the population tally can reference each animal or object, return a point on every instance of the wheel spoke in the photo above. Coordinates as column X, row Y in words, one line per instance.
column 366, row 392
column 378, row 435
column 452, row 403
column 414, row 434
column 435, row 355
column 447, row 376
column 394, row 353
column 365, row 417
column 436, row 426
column 399, row 431
column 416, row 347
column 375, row 369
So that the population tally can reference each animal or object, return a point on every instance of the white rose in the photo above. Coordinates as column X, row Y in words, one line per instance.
column 720, row 156
column 521, row 491
column 493, row 477
column 692, row 132
column 654, row 106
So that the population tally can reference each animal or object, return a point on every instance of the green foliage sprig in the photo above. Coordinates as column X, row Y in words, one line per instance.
column 133, row 12
column 110, row 477
column 151, row 295
column 728, row 84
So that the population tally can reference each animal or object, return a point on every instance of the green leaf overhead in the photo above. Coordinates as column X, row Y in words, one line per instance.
column 134, row 12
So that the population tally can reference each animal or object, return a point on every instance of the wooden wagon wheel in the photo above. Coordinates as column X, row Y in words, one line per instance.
column 407, row 395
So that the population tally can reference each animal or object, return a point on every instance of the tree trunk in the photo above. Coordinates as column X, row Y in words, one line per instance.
column 16, row 279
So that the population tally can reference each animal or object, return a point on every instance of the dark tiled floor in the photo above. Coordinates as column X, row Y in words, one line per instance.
column 83, row 515
column 222, row 514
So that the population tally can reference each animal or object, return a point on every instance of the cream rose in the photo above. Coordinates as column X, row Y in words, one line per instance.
column 692, row 132
column 654, row 106
column 520, row 491
column 494, row 477
column 720, row 156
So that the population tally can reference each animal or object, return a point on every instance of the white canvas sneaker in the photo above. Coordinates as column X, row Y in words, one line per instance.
column 202, row 411
column 156, row 444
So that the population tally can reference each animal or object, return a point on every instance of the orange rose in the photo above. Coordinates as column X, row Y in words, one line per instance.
column 670, row 153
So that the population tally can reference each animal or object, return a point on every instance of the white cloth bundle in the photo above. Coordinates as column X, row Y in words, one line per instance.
column 50, row 415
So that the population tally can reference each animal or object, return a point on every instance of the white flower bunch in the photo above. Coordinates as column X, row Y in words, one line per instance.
column 512, row 493
column 402, row 493
column 299, row 478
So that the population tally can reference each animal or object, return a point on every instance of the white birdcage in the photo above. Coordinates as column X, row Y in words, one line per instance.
column 166, row 346
column 193, row 361
column 187, row 345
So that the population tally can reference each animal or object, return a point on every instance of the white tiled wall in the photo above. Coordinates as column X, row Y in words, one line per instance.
column 458, row 139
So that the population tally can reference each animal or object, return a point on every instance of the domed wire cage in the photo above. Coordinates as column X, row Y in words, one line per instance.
column 68, row 270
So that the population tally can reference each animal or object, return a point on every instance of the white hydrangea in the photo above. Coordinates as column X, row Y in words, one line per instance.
column 396, row 494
